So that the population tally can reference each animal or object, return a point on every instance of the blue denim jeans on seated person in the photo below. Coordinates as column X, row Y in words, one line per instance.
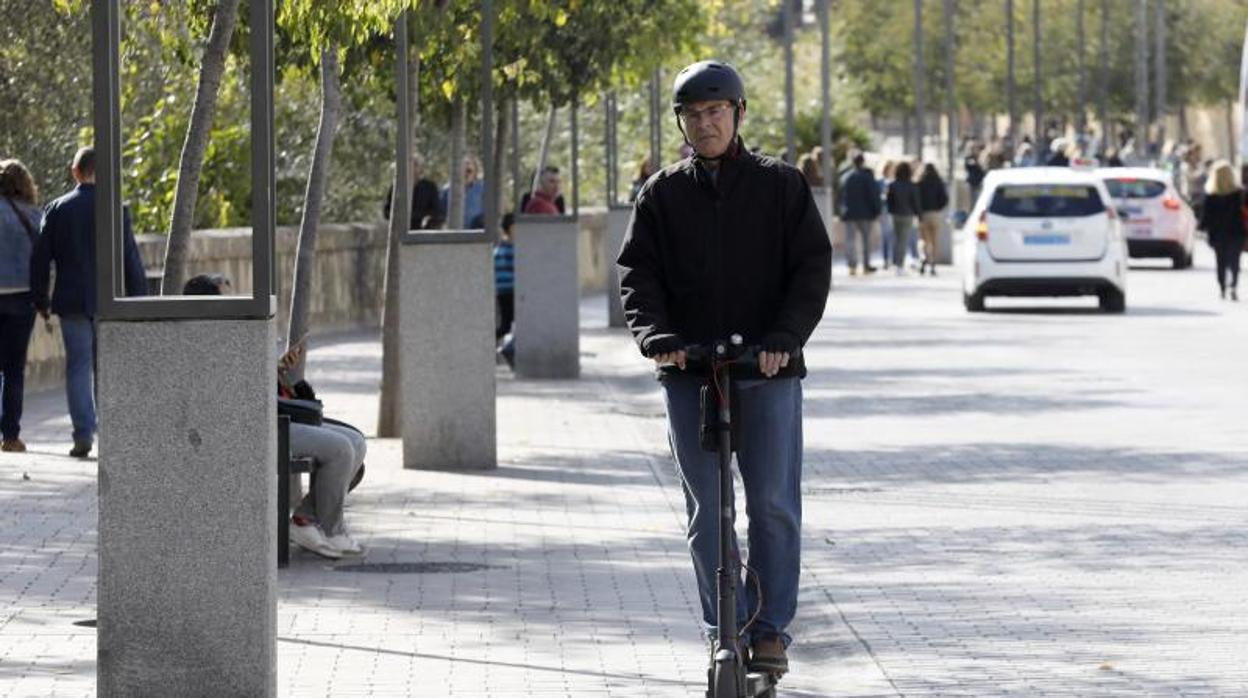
column 78, row 333
column 770, row 461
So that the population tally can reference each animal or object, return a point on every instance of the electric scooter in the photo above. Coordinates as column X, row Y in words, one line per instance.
column 728, row 676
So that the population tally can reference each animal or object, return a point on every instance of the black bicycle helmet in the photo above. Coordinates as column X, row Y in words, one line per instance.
column 705, row 81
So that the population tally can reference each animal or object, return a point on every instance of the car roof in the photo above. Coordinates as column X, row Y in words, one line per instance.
column 1041, row 175
column 1134, row 173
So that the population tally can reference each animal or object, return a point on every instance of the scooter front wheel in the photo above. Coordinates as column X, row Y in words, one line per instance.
column 724, row 682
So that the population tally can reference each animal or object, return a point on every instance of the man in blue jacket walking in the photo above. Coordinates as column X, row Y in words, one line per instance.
column 860, row 206
column 67, row 239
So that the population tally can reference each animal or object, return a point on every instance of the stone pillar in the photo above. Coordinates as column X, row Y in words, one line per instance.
column 187, row 508
column 617, row 225
column 547, row 297
column 446, row 326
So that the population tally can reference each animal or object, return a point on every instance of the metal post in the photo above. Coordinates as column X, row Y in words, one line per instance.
column 1011, row 98
column 1159, row 69
column 609, row 146
column 656, row 120
column 1141, row 77
column 106, row 25
column 1081, row 94
column 790, row 145
column 515, row 154
column 1102, row 97
column 825, row 91
column 401, row 203
column 1041, row 146
column 951, row 104
column 490, row 192
column 576, row 184
column 920, row 96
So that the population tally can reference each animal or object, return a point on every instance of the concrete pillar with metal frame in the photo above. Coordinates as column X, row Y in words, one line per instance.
column 446, row 316
column 187, row 589
column 547, row 329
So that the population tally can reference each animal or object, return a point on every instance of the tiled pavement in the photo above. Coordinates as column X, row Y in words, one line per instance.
column 1023, row 502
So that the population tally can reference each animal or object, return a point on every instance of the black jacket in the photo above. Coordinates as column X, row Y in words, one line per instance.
column 746, row 254
column 1222, row 218
column 68, row 241
column 932, row 194
column 903, row 198
column 427, row 213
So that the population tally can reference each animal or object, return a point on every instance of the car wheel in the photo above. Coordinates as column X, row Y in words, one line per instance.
column 1113, row 301
column 1179, row 260
column 1187, row 260
column 974, row 302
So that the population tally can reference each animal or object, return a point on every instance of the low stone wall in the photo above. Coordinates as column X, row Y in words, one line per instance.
column 348, row 281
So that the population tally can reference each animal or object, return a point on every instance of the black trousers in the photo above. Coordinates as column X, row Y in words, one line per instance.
column 1227, row 251
column 17, row 319
column 506, row 313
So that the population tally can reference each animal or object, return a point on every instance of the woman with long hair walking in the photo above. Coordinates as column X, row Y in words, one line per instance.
column 1222, row 219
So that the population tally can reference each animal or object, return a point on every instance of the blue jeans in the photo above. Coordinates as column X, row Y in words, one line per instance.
column 78, row 333
column 769, row 413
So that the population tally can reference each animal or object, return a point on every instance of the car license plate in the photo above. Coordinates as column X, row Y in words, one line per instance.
column 1047, row 239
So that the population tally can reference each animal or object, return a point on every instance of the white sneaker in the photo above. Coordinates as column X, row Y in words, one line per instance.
column 345, row 544
column 311, row 538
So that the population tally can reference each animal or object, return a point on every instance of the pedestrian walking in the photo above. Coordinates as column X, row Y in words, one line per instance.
column 859, row 207
column 904, row 207
column 427, row 212
column 975, row 171
column 20, row 218
column 545, row 201
column 67, row 240
column 730, row 242
column 505, row 289
column 474, row 196
column 933, row 198
column 644, row 171
column 1222, row 219
column 886, row 222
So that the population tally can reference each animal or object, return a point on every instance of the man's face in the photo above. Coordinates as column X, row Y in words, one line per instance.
column 709, row 126
column 470, row 171
column 551, row 184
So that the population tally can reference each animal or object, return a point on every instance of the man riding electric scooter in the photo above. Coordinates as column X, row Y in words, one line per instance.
column 727, row 243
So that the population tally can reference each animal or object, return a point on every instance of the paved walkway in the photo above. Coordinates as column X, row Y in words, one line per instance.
column 1023, row 502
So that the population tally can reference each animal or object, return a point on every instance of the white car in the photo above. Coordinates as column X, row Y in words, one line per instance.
column 1157, row 221
column 1044, row 231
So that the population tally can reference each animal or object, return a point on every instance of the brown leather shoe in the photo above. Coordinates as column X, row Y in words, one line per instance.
column 767, row 656
column 13, row 445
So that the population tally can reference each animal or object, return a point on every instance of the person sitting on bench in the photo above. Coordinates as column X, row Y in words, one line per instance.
column 336, row 448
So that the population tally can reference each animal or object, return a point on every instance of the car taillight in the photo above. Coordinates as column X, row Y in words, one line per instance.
column 1170, row 203
column 981, row 230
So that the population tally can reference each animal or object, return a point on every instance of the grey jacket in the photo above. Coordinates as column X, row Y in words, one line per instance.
column 15, row 244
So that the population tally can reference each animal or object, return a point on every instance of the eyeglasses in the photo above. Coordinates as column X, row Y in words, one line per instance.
column 693, row 117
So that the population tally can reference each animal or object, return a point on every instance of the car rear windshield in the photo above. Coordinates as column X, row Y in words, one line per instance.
column 1134, row 188
column 1046, row 201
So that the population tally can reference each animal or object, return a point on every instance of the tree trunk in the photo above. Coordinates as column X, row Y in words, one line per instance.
column 198, row 131
column 920, row 78
column 390, row 406
column 544, row 153
column 500, row 152
column 459, row 145
column 313, row 197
